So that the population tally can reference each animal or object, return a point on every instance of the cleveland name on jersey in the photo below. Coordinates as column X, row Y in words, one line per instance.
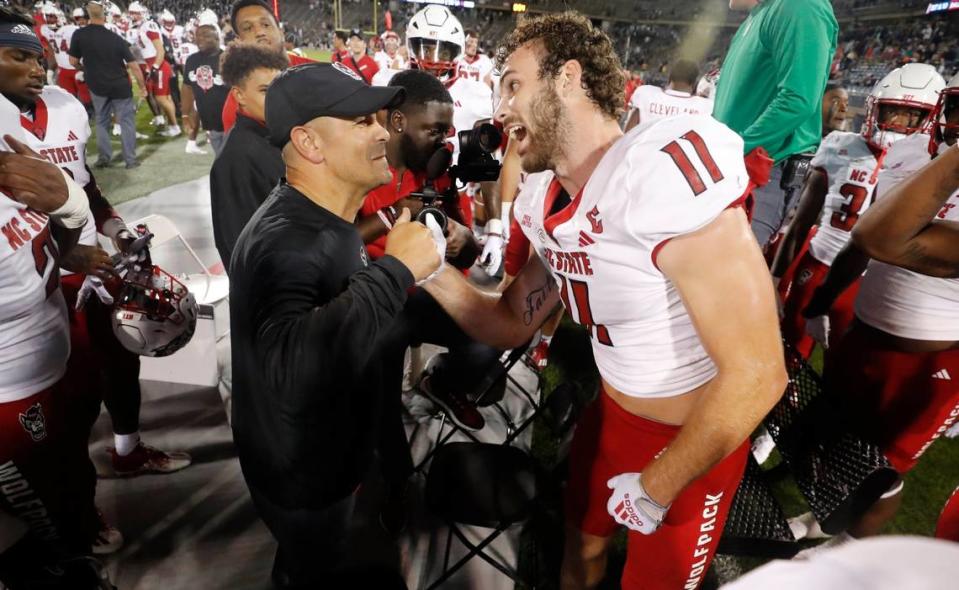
column 898, row 301
column 661, row 180
column 34, row 333
column 851, row 170
column 654, row 103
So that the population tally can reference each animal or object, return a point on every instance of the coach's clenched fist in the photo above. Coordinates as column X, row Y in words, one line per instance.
column 419, row 248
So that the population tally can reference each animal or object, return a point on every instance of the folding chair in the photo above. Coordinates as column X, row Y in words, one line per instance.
column 493, row 485
column 756, row 525
column 839, row 474
column 206, row 287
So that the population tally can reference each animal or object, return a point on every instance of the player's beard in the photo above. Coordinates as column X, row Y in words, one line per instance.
column 415, row 160
column 548, row 128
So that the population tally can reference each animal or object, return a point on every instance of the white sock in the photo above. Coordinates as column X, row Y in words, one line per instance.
column 190, row 143
column 546, row 339
column 125, row 443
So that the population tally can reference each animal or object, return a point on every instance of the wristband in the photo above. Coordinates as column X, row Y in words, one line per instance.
column 494, row 227
column 73, row 214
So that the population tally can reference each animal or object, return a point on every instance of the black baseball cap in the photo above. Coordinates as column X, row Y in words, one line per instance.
column 356, row 33
column 303, row 93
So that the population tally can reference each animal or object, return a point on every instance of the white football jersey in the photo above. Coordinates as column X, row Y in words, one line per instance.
column 61, row 45
column 663, row 179
column 654, row 103
column 186, row 50
column 175, row 36
column 59, row 132
column 146, row 33
column 472, row 102
column 475, row 68
column 34, row 332
column 850, row 166
column 899, row 301
column 47, row 33
column 385, row 62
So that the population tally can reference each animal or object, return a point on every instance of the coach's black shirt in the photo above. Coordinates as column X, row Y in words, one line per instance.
column 305, row 307
column 243, row 175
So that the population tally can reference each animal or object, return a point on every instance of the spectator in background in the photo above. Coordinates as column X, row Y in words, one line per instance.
column 203, row 86
column 105, row 59
column 771, row 90
column 256, row 24
column 341, row 50
column 651, row 103
column 248, row 166
column 358, row 60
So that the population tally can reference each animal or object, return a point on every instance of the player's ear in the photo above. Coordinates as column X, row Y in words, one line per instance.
column 397, row 122
column 308, row 144
column 238, row 96
column 570, row 77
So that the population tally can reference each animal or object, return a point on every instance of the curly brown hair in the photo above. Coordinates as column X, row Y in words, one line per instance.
column 240, row 60
column 571, row 36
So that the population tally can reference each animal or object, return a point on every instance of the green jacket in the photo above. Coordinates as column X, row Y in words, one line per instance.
column 774, row 75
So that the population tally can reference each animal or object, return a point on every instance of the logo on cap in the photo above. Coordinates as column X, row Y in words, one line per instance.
column 23, row 30
column 347, row 71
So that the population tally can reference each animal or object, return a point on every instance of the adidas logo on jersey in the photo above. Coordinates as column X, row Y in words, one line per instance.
column 585, row 240
column 72, row 137
column 942, row 374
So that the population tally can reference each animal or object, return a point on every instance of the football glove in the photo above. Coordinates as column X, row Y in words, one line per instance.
column 440, row 240
column 631, row 506
column 93, row 285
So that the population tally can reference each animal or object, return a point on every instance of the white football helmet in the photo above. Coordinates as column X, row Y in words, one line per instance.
column 914, row 87
column 707, row 84
column 208, row 18
column 114, row 12
column 138, row 12
column 939, row 127
column 435, row 38
column 51, row 14
column 79, row 13
column 167, row 20
column 154, row 314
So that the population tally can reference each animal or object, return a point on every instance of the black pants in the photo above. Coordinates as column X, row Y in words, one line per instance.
column 468, row 362
column 312, row 543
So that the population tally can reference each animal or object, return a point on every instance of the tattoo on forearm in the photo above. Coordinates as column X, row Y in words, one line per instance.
column 536, row 298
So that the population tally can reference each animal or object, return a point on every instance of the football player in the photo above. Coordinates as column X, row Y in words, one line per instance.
column 389, row 57
column 894, row 369
column 838, row 189
column 49, row 481
column 652, row 103
column 473, row 64
column 435, row 41
column 55, row 125
column 68, row 77
column 636, row 235
column 156, row 69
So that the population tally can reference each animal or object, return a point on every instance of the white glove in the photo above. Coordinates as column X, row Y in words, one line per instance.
column 93, row 284
column 818, row 329
column 440, row 240
column 80, row 77
column 631, row 506
column 492, row 256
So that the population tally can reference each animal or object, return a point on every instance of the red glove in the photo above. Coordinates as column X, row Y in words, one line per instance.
column 758, row 166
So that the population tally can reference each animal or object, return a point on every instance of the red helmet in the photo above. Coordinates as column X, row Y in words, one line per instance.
column 938, row 127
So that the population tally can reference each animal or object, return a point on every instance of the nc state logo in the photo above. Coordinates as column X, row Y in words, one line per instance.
column 346, row 70
column 34, row 423
column 594, row 221
column 204, row 78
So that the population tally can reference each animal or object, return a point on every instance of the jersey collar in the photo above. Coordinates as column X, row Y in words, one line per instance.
column 551, row 222
column 38, row 125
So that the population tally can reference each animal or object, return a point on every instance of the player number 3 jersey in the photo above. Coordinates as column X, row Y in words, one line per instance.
column 663, row 179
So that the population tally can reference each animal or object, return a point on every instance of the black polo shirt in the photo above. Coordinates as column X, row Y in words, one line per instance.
column 105, row 57
column 305, row 305
column 202, row 73
column 243, row 175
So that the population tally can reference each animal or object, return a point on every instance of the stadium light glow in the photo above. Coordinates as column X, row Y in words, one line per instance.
column 519, row 7
column 456, row 3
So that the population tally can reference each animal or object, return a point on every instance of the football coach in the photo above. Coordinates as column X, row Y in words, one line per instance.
column 306, row 303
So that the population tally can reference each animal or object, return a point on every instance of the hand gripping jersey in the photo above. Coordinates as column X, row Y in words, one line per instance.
column 899, row 301
column 474, row 68
column 61, row 45
column 661, row 180
column 654, row 103
column 146, row 33
column 59, row 132
column 850, row 166
column 34, row 333
column 472, row 102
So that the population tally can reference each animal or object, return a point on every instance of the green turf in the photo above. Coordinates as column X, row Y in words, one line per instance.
column 163, row 163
